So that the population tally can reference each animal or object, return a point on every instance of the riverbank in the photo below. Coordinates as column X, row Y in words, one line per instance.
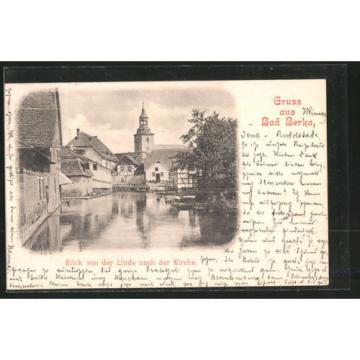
column 192, row 200
column 85, row 197
column 223, row 207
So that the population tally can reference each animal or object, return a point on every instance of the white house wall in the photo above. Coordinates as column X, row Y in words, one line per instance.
column 101, row 175
column 91, row 154
column 162, row 170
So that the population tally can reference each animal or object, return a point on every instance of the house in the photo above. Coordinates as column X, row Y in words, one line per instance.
column 104, row 162
column 77, row 169
column 129, row 169
column 38, row 156
column 158, row 164
column 180, row 179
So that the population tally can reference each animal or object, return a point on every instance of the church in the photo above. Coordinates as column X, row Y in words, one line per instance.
column 150, row 161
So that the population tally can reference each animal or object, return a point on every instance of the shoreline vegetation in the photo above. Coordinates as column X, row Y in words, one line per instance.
column 212, row 144
column 215, row 203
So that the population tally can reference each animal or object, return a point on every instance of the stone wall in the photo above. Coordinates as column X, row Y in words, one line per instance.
column 33, row 205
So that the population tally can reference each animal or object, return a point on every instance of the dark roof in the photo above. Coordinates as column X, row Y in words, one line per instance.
column 74, row 167
column 134, row 158
column 164, row 156
column 86, row 140
column 139, row 170
column 67, row 153
column 38, row 119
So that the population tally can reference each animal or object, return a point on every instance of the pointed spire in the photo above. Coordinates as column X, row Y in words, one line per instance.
column 143, row 112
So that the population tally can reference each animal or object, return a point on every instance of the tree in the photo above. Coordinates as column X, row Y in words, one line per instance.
column 212, row 144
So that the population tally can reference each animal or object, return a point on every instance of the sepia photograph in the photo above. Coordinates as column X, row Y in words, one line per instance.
column 107, row 168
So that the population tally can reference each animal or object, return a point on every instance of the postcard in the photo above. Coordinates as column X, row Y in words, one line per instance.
column 171, row 184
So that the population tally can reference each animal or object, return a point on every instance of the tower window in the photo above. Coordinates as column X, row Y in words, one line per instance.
column 156, row 169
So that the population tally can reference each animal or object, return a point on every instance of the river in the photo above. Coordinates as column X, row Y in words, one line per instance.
column 127, row 220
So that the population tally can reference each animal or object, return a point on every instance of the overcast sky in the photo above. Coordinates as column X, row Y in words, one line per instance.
column 113, row 114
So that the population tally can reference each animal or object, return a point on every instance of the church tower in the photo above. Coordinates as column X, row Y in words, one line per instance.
column 144, row 138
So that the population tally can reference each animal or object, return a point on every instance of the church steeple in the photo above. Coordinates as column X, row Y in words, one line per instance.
column 144, row 138
column 143, row 119
column 143, row 112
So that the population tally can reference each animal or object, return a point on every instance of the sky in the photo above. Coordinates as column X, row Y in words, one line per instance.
column 111, row 111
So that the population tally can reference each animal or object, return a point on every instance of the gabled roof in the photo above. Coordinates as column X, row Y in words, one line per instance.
column 164, row 156
column 38, row 119
column 86, row 140
column 134, row 158
column 67, row 153
column 74, row 167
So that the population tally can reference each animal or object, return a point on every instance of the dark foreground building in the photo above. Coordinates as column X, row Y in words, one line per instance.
column 38, row 148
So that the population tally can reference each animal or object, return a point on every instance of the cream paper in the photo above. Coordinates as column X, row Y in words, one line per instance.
column 281, row 236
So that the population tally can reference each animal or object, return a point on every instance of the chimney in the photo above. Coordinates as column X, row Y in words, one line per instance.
column 77, row 133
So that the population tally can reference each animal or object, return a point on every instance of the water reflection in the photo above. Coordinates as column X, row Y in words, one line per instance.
column 129, row 220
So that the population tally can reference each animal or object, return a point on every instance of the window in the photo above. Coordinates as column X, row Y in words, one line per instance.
column 94, row 166
column 153, row 174
column 122, row 180
column 80, row 152
column 147, row 139
column 129, row 168
column 87, row 166
column 156, row 169
column 55, row 183
column 122, row 168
